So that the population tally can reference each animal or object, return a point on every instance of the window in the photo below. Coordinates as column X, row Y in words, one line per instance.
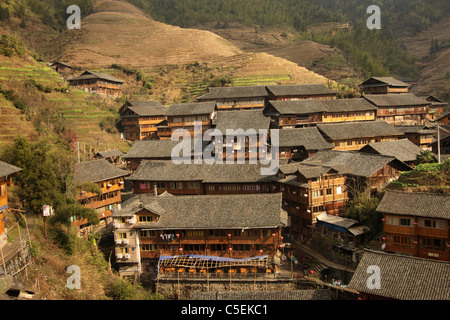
column 176, row 185
column 329, row 191
column 317, row 193
column 161, row 185
column 122, row 235
column 122, row 250
column 193, row 185
column 429, row 223
column 147, row 233
column 405, row 222
column 338, row 190
column 148, row 247
column 146, row 218
column 195, row 233
column 3, row 190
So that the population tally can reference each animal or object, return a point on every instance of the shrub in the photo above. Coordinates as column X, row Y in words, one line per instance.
column 428, row 167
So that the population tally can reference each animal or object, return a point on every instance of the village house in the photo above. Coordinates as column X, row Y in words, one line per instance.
column 363, row 171
column 301, row 143
column 6, row 172
column 308, row 191
column 151, row 150
column 196, row 179
column 444, row 144
column 243, row 144
column 403, row 150
column 384, row 85
column 317, row 91
column 109, row 179
column 300, row 113
column 350, row 136
column 420, row 135
column 236, row 98
column 98, row 83
column 347, row 231
column 113, row 156
column 444, row 118
column 183, row 116
column 416, row 224
column 437, row 106
column 148, row 228
column 400, row 278
column 62, row 68
column 139, row 119
column 401, row 109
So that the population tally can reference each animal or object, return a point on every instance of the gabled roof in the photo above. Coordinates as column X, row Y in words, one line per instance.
column 429, row 205
column 362, row 129
column 234, row 92
column 310, row 138
column 353, row 226
column 348, row 105
column 152, row 149
column 96, row 171
column 109, row 153
column 295, row 107
column 415, row 129
column 7, row 169
column 379, row 81
column 395, row 100
column 241, row 119
column 402, row 277
column 61, row 63
column 403, row 150
column 209, row 211
column 193, row 108
column 145, row 108
column 96, row 75
column 236, row 173
column 353, row 162
column 300, row 90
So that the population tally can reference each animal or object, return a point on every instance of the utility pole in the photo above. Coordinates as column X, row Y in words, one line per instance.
column 438, row 143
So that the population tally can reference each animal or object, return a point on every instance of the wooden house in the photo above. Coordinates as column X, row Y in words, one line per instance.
column 444, row 144
column 151, row 150
column 344, row 230
column 109, row 179
column 6, row 171
column 236, row 98
column 113, row 156
column 139, row 119
column 148, row 228
column 196, row 179
column 444, row 118
column 420, row 135
column 247, row 138
column 403, row 150
column 348, row 136
column 301, row 143
column 385, row 276
column 300, row 113
column 183, row 116
column 317, row 91
column 401, row 109
column 62, row 68
column 416, row 224
column 308, row 191
column 364, row 171
column 384, row 85
column 437, row 107
column 98, row 83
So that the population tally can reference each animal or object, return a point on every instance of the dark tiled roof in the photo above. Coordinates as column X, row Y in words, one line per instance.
column 210, row 211
column 146, row 108
column 97, row 170
column 312, row 294
column 348, row 105
column 430, row 205
column 242, row 119
column 305, row 106
column 353, row 130
column 310, row 138
column 300, row 89
column 415, row 129
column 352, row 162
column 403, row 277
column 151, row 149
column 403, row 150
column 109, row 153
column 395, row 100
column 96, row 75
column 153, row 170
column 234, row 92
column 384, row 80
column 193, row 108
column 7, row 169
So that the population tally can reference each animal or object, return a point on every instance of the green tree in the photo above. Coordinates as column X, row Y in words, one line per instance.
column 425, row 156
